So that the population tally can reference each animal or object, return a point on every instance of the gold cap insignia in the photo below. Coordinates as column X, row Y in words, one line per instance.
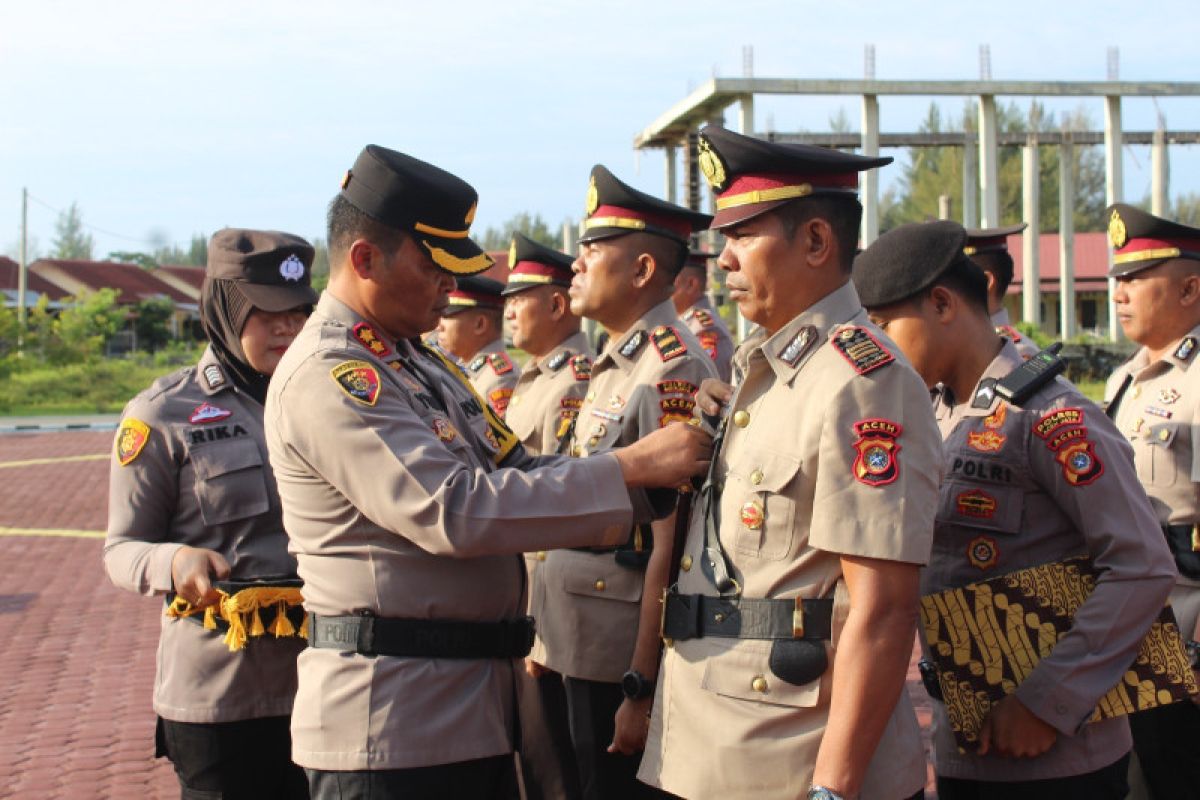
column 1116, row 231
column 593, row 196
column 470, row 214
column 711, row 165
column 346, row 179
column 512, row 254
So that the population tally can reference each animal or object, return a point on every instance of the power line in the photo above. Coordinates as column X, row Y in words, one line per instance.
column 95, row 228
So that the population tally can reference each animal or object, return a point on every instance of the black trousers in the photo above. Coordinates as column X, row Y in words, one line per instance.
column 1167, row 742
column 592, row 709
column 548, row 766
column 250, row 759
column 482, row 779
column 1108, row 783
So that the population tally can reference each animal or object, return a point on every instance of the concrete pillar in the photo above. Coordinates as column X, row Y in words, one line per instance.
column 1115, row 188
column 1031, row 289
column 746, row 115
column 1160, row 201
column 672, row 178
column 1066, row 239
column 970, row 182
column 869, row 189
column 989, row 160
column 945, row 204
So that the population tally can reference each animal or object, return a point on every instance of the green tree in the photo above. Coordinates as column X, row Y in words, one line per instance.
column 532, row 226
column 152, row 323
column 82, row 328
column 70, row 239
column 143, row 260
column 320, row 267
column 1185, row 209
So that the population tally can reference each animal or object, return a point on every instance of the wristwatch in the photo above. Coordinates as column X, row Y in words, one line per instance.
column 821, row 793
column 635, row 686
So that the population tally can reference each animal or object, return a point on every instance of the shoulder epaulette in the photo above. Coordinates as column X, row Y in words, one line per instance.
column 861, row 349
column 703, row 317
column 214, row 376
column 667, row 343
column 478, row 362
column 1008, row 332
column 368, row 338
column 501, row 363
column 581, row 367
column 556, row 363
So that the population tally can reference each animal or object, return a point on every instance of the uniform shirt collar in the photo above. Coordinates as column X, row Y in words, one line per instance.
column 1005, row 362
column 836, row 308
column 335, row 310
column 575, row 343
column 1170, row 357
column 661, row 314
column 494, row 346
column 1001, row 317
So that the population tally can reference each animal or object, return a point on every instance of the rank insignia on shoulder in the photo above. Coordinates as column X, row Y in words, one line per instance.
column 357, row 379
column 581, row 367
column 556, row 363
column 633, row 344
column 666, row 342
column 214, row 377
column 877, row 462
column 985, row 393
column 800, row 344
column 369, row 339
column 206, row 412
column 1009, row 332
column 477, row 362
column 131, row 438
column 677, row 387
column 499, row 399
column 982, row 552
column 501, row 363
column 703, row 317
column 1080, row 463
column 861, row 349
column 1058, row 418
column 1186, row 348
column 709, row 341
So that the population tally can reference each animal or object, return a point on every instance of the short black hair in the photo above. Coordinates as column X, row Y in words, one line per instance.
column 967, row 281
column 843, row 212
column 1000, row 264
column 345, row 223
column 669, row 255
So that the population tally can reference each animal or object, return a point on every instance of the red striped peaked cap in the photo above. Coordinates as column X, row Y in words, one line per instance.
column 990, row 240
column 405, row 193
column 615, row 209
column 533, row 264
column 474, row 291
column 1141, row 240
column 751, row 176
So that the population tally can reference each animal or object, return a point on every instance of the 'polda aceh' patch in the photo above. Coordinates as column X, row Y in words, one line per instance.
column 357, row 379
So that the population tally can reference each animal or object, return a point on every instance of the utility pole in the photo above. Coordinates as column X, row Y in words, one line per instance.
column 21, row 281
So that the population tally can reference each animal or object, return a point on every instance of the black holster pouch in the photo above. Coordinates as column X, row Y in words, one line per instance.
column 929, row 677
column 798, row 661
column 1179, row 539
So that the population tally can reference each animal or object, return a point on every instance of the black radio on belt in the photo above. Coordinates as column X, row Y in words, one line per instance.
column 1023, row 382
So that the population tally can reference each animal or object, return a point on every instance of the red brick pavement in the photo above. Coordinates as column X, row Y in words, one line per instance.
column 77, row 663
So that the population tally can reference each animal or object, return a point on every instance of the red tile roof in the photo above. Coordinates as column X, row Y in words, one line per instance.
column 193, row 276
column 1091, row 261
column 33, row 282
column 133, row 284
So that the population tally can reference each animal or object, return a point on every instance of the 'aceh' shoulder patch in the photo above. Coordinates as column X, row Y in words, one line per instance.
column 357, row 379
column 861, row 349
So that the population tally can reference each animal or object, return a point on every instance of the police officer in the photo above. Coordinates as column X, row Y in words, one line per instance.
column 542, row 414
column 792, row 623
column 598, row 611
column 193, row 515
column 691, row 301
column 1154, row 398
column 407, row 500
column 988, row 248
column 471, row 329
column 1026, row 484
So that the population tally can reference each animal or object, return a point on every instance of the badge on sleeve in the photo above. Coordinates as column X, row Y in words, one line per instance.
column 1059, row 418
column 357, row 379
column 677, row 387
column 861, row 349
column 709, row 340
column 1079, row 462
column 666, row 342
column 675, row 409
column 131, row 438
column 369, row 339
column 983, row 552
column 877, row 463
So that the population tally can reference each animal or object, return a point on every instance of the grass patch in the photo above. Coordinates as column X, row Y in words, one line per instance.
column 1092, row 390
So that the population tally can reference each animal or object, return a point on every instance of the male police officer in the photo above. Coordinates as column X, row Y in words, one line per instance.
column 471, row 329
column 599, row 610
column 1155, row 400
column 988, row 248
column 1026, row 484
column 542, row 414
column 406, row 501
column 691, row 301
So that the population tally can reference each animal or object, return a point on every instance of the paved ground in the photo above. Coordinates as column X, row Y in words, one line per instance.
column 77, row 660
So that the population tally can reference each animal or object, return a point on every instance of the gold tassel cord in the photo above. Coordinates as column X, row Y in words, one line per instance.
column 242, row 612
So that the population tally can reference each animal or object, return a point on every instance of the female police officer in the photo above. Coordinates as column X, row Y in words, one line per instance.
column 194, row 515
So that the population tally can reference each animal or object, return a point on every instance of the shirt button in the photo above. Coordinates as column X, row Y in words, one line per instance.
column 685, row 563
column 1137, row 390
column 741, row 418
column 590, row 397
column 599, row 585
column 541, row 556
column 756, row 477
column 759, row 684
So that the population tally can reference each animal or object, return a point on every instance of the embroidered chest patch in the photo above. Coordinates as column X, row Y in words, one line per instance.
column 862, row 350
column 206, row 412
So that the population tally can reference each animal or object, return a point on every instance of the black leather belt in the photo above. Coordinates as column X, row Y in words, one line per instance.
column 369, row 635
column 692, row 616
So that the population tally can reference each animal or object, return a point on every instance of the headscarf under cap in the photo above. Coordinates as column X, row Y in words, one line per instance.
column 224, row 310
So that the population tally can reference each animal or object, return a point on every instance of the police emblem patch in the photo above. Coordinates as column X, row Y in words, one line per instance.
column 995, row 420
column 1079, row 462
column 501, row 363
column 675, row 409
column 499, row 399
column 369, row 339
column 556, row 363
column 666, row 342
column 983, row 552
column 986, row 441
column 292, row 269
column 877, row 462
column 581, row 367
column 1117, row 235
column 206, row 412
column 213, row 376
column 711, row 165
column 1009, row 332
column 976, row 503
column 131, row 438
column 861, row 349
column 358, row 379
column 444, row 429
column 633, row 344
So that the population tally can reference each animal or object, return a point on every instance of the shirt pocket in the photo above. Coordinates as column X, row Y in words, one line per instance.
column 743, row 672
column 984, row 506
column 763, row 512
column 1167, row 445
column 604, row 579
column 230, row 484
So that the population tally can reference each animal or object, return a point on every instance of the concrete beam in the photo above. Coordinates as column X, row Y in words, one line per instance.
column 869, row 187
column 970, row 173
column 851, row 140
column 671, row 176
column 989, row 163
column 1031, row 301
column 1114, row 188
column 1066, row 240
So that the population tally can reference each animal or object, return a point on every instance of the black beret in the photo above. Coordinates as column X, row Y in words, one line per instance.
column 908, row 259
column 273, row 269
column 533, row 264
column 615, row 208
column 436, row 207
column 474, row 291
column 1141, row 240
column 752, row 176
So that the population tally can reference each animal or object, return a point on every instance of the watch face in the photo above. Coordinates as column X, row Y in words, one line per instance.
column 633, row 685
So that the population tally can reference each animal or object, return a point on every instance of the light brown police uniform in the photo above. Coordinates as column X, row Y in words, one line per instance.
column 1032, row 485
column 709, row 329
column 196, row 473
column 549, row 393
column 1026, row 347
column 589, row 604
column 393, row 504
column 1159, row 413
column 723, row 725
column 494, row 375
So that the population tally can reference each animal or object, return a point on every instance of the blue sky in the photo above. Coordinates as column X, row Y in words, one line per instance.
column 165, row 119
